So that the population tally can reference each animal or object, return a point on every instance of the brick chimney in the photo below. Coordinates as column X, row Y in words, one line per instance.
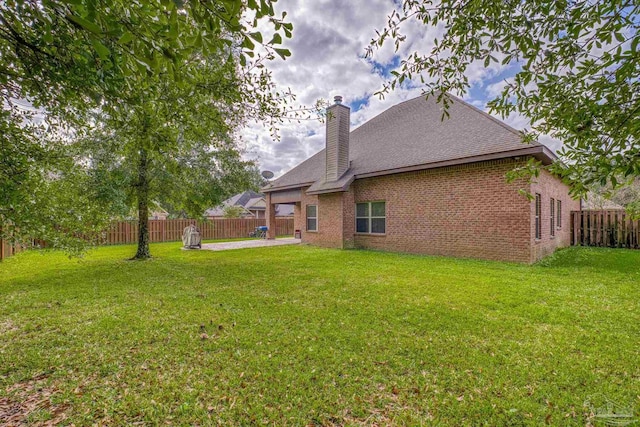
column 337, row 149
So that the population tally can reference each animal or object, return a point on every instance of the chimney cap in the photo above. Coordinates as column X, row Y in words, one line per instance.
column 337, row 99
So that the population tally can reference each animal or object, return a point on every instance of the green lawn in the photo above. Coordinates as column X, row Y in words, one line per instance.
column 306, row 336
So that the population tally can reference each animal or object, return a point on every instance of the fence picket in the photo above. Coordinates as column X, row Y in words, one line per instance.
column 610, row 228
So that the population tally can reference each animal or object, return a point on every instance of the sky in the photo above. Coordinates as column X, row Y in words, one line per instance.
column 328, row 59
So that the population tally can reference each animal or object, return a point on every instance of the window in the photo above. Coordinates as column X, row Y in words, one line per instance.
column 312, row 218
column 559, row 215
column 538, row 211
column 371, row 218
column 552, row 223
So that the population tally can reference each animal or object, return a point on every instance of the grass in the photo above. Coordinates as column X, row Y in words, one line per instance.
column 298, row 335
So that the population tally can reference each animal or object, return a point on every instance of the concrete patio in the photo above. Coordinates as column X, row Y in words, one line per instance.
column 243, row 244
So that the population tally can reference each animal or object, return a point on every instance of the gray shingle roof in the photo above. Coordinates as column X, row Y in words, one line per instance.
column 247, row 199
column 408, row 134
column 243, row 198
column 240, row 199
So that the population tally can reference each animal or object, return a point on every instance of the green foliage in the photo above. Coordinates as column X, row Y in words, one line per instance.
column 174, row 143
column 233, row 211
column 134, row 63
column 577, row 79
column 43, row 193
column 61, row 54
column 298, row 335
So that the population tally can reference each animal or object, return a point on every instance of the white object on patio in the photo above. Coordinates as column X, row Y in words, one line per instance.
column 191, row 237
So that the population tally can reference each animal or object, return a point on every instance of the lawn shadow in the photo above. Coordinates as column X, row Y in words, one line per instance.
column 619, row 260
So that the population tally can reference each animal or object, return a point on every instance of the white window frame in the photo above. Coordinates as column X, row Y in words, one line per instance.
column 558, row 214
column 370, row 217
column 552, row 217
column 306, row 223
column 538, row 216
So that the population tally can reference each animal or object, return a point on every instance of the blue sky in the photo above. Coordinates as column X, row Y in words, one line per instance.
column 328, row 59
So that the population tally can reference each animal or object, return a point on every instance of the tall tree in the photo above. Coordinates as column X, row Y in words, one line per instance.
column 174, row 143
column 577, row 72
column 68, row 58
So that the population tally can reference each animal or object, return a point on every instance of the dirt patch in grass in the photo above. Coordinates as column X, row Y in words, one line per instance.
column 7, row 326
column 30, row 403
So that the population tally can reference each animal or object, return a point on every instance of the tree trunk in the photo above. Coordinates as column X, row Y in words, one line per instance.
column 143, row 206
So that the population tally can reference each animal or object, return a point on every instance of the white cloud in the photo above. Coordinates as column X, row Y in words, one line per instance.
column 328, row 48
column 327, row 59
column 495, row 89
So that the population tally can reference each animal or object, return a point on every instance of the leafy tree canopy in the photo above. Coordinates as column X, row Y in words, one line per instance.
column 42, row 192
column 173, row 143
column 66, row 54
column 72, row 67
column 577, row 77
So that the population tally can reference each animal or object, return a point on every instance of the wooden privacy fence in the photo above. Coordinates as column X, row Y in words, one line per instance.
column 7, row 249
column 610, row 228
column 170, row 230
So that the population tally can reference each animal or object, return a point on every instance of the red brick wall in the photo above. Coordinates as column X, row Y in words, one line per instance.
column 330, row 220
column 333, row 230
column 463, row 211
column 549, row 186
column 348, row 218
column 298, row 223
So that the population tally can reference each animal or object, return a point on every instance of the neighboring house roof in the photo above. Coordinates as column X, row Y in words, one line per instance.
column 243, row 199
column 250, row 201
column 240, row 199
column 159, row 214
column 158, row 210
column 217, row 211
column 155, row 210
column 410, row 136
column 257, row 203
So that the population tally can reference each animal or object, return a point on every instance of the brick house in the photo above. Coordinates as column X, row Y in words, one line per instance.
column 409, row 181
